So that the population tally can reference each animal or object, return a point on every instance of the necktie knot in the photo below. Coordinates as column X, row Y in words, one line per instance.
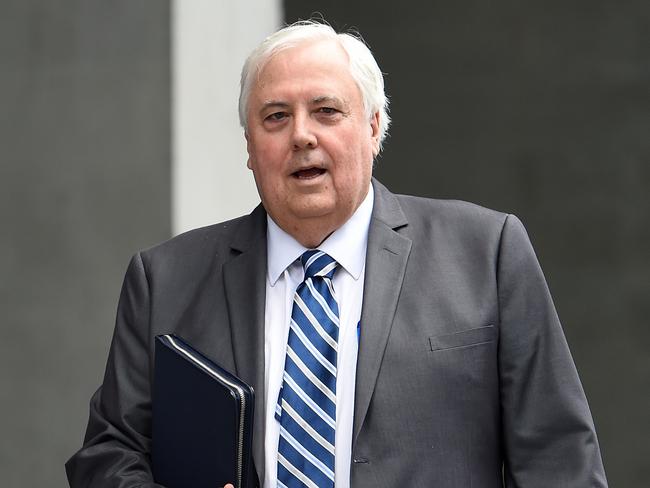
column 318, row 263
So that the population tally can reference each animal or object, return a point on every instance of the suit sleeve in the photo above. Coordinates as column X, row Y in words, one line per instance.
column 548, row 434
column 116, row 447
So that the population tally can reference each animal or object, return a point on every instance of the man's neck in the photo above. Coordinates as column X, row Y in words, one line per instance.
column 311, row 232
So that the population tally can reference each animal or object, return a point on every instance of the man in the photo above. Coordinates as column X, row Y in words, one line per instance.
column 448, row 367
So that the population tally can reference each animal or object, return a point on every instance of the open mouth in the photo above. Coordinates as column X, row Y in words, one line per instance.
column 308, row 173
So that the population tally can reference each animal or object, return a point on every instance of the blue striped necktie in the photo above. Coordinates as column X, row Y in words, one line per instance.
column 306, row 406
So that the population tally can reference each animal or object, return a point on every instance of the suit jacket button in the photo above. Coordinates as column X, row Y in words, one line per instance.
column 360, row 461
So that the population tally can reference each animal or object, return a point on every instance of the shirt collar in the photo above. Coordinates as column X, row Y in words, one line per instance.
column 347, row 244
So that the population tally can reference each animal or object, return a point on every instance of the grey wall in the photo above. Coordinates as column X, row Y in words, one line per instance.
column 84, row 183
column 539, row 108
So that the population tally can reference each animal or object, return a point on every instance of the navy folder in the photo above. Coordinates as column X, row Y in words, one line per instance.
column 202, row 420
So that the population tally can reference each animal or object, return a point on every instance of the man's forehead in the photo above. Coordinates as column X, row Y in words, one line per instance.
column 310, row 73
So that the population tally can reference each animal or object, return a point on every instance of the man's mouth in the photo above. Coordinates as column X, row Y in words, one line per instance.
column 308, row 173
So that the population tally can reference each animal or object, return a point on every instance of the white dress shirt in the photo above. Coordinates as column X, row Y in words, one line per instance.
column 347, row 245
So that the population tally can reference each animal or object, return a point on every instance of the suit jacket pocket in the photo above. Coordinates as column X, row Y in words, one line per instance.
column 470, row 337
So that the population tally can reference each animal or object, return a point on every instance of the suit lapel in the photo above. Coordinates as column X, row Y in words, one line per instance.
column 245, row 289
column 386, row 259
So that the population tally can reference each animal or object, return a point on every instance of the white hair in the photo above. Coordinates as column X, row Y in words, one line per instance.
column 363, row 67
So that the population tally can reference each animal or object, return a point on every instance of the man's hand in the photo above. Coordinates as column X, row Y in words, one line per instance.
column 229, row 486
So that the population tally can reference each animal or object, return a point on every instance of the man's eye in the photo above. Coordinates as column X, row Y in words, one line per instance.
column 328, row 110
column 276, row 116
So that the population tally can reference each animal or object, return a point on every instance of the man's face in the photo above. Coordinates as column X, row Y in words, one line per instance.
column 310, row 143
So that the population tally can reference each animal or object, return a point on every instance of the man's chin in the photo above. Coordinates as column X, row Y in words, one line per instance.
column 313, row 212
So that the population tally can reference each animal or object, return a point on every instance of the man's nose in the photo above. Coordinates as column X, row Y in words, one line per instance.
column 303, row 133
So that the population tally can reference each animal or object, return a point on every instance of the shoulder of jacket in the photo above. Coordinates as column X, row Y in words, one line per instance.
column 211, row 239
column 456, row 211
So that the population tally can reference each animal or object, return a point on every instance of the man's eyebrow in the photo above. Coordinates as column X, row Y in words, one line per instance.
column 328, row 98
column 274, row 104
column 314, row 101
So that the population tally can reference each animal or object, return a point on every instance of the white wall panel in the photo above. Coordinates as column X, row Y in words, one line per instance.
column 211, row 39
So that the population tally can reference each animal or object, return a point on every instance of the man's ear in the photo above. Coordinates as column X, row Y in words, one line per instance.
column 248, row 150
column 374, row 127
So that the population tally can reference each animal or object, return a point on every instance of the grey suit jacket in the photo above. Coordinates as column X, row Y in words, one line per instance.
column 464, row 378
